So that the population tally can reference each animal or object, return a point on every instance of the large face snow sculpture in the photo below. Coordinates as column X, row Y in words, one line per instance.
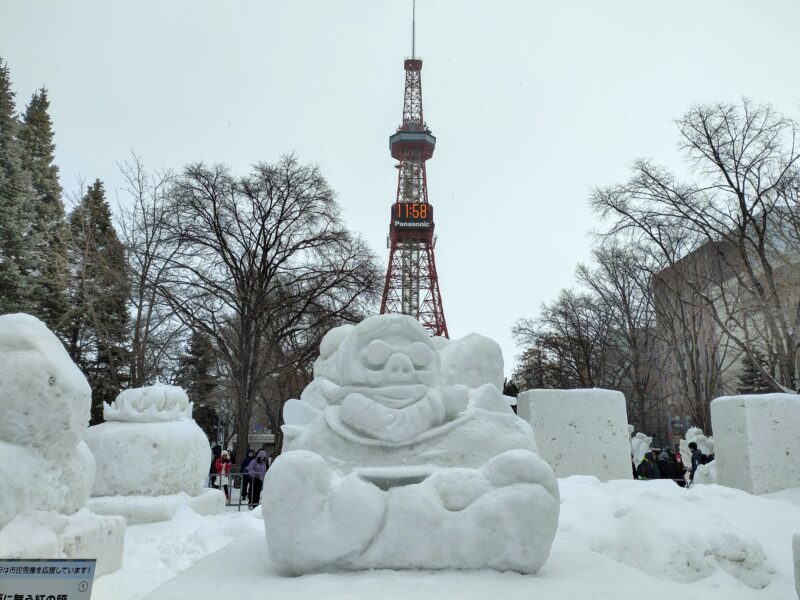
column 387, row 449
column 388, row 372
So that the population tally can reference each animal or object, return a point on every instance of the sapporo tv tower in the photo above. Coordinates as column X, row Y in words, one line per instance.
column 412, row 285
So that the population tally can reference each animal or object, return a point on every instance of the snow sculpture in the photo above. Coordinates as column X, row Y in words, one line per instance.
column 640, row 445
column 392, row 463
column 706, row 473
column 755, row 441
column 580, row 432
column 151, row 457
column 47, row 470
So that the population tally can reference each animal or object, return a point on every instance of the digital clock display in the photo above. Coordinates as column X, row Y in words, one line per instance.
column 412, row 215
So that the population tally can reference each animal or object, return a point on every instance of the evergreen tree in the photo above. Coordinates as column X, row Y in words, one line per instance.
column 196, row 375
column 97, row 322
column 16, row 256
column 751, row 379
column 48, row 225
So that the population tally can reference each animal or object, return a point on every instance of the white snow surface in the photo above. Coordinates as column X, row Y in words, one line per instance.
column 150, row 509
column 620, row 539
column 581, row 431
column 756, row 441
column 149, row 459
column 149, row 404
column 385, row 451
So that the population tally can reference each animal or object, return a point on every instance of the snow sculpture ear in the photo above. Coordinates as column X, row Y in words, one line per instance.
column 296, row 412
column 325, row 365
column 473, row 360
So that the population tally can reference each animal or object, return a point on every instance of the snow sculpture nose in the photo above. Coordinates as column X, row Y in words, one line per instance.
column 399, row 369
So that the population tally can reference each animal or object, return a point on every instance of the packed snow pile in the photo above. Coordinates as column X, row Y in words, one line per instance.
column 667, row 531
column 47, row 470
column 387, row 453
column 150, row 447
column 580, row 432
column 756, row 442
column 706, row 473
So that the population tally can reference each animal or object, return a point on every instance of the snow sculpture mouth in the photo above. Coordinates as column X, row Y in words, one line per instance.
column 393, row 396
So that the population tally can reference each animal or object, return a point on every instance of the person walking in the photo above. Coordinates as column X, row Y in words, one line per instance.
column 257, row 469
column 697, row 459
column 216, row 452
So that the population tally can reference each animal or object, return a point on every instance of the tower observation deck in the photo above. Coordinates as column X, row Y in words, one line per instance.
column 412, row 284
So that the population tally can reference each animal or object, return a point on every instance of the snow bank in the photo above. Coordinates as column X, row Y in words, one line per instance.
column 386, row 452
column 151, row 509
column 756, row 441
column 46, row 470
column 149, row 459
column 580, row 432
column 669, row 532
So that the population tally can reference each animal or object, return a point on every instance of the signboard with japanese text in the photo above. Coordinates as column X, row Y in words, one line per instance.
column 46, row 579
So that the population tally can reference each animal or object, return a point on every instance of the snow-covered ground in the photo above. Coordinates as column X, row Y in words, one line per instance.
column 620, row 539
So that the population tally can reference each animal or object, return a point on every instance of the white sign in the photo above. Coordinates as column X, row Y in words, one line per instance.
column 46, row 579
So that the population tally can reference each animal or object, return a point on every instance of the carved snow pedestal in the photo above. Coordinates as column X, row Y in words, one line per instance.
column 46, row 469
column 392, row 463
column 152, row 458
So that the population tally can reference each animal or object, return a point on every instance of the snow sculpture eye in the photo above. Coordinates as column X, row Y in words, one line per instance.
column 420, row 354
column 377, row 353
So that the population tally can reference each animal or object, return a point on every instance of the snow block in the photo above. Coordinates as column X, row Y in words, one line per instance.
column 151, row 509
column 403, row 453
column 580, row 432
column 40, row 534
column 756, row 442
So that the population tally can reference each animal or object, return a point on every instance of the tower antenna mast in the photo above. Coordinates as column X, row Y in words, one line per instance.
column 413, row 27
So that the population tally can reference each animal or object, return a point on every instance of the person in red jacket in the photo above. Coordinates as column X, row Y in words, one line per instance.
column 223, row 469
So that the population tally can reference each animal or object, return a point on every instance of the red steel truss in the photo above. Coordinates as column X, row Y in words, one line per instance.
column 412, row 285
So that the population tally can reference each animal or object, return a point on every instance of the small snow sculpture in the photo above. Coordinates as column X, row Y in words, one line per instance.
column 150, row 447
column 706, row 473
column 392, row 463
column 47, row 470
column 640, row 445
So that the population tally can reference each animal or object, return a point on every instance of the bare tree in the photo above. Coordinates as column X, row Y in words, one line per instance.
column 743, row 203
column 256, row 260
column 620, row 279
column 143, row 226
column 574, row 335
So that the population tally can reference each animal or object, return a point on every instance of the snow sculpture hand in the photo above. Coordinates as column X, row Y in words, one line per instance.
column 340, row 516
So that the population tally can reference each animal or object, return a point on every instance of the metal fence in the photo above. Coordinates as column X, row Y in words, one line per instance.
column 240, row 489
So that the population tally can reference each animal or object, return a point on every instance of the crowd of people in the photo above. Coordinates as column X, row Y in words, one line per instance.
column 250, row 475
column 669, row 465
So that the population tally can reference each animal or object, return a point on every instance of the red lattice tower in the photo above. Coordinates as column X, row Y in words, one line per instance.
column 412, row 285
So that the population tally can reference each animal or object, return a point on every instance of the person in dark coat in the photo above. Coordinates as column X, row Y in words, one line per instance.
column 257, row 469
column 216, row 453
column 697, row 459
column 246, row 477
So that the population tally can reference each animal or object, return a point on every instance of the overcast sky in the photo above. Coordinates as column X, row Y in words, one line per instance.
column 532, row 102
